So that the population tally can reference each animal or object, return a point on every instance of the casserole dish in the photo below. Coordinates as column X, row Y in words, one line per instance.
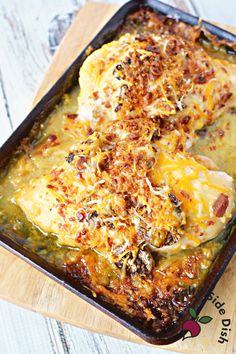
column 47, row 104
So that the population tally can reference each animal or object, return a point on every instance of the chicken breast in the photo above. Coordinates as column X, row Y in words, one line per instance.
column 153, row 75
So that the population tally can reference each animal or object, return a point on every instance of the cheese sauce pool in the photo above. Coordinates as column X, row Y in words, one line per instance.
column 12, row 219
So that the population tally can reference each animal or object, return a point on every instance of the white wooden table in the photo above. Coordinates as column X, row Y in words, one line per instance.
column 25, row 52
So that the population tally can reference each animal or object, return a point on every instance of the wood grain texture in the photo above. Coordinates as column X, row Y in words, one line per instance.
column 71, row 48
column 41, row 294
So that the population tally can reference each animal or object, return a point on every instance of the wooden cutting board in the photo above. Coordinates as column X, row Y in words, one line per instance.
column 21, row 284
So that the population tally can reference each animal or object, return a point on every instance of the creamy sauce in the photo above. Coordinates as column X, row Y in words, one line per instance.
column 12, row 220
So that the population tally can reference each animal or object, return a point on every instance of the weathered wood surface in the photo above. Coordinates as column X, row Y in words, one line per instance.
column 24, row 55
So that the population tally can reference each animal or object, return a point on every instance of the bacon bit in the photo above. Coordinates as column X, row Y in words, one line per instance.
column 90, row 131
column 109, row 241
column 80, row 162
column 173, row 47
column 128, row 201
column 153, row 49
column 179, row 147
column 71, row 115
column 212, row 148
column 110, row 136
column 79, row 175
column 81, row 235
column 200, row 79
column 210, row 222
column 226, row 97
column 149, row 97
column 98, row 225
column 134, row 136
column 61, row 210
column 81, row 216
column 107, row 105
column 56, row 173
column 155, row 72
column 52, row 138
column 104, row 164
column 50, row 186
column 166, row 126
column 132, row 125
column 185, row 120
column 220, row 205
column 185, row 195
column 72, row 218
column 64, row 189
column 96, row 95
column 68, row 202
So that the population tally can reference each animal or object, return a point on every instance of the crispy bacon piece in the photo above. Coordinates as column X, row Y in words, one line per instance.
column 185, row 195
column 220, row 205
column 81, row 216
column 72, row 115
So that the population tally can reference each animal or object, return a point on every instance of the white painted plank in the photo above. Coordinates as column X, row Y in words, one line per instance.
column 180, row 4
column 25, row 52
column 80, row 340
column 5, row 120
column 220, row 11
column 212, row 10
column 24, row 332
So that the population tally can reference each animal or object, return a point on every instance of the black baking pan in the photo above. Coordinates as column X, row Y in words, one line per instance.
column 40, row 113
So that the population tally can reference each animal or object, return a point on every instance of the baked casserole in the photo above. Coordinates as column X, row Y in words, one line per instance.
column 130, row 181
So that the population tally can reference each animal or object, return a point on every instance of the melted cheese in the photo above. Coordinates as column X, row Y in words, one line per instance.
column 132, row 182
column 131, row 77
column 115, row 194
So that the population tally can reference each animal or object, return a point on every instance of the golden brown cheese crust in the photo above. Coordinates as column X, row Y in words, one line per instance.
column 159, row 298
